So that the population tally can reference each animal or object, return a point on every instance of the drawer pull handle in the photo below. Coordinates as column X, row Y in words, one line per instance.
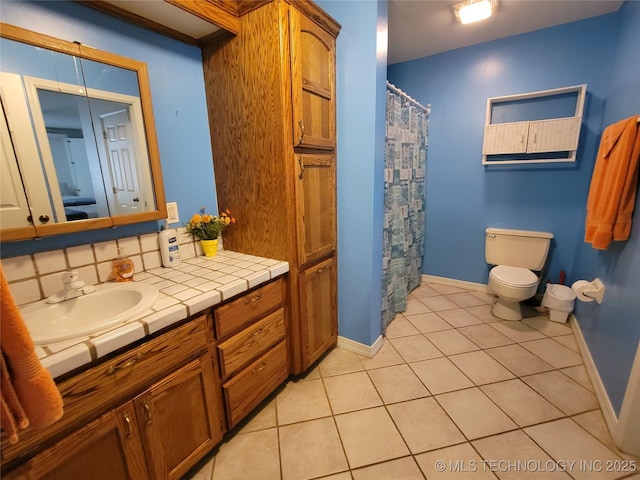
column 301, row 125
column 147, row 411
column 256, row 333
column 128, row 364
column 253, row 300
column 321, row 269
column 127, row 421
column 259, row 368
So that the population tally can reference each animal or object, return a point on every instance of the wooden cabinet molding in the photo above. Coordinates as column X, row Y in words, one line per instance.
column 222, row 15
column 219, row 13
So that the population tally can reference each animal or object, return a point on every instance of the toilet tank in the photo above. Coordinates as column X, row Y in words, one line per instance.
column 517, row 248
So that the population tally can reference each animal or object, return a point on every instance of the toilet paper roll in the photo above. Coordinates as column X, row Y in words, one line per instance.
column 581, row 286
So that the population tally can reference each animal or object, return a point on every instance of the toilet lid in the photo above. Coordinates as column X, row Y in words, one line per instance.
column 514, row 276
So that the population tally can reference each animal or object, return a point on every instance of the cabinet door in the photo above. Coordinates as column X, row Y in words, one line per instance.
column 505, row 138
column 557, row 135
column 14, row 209
column 108, row 448
column 178, row 419
column 318, row 310
column 316, row 206
column 313, row 84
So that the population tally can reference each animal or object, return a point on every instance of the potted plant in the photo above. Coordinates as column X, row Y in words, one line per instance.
column 207, row 228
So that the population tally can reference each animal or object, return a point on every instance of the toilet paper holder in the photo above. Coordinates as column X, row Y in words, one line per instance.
column 589, row 291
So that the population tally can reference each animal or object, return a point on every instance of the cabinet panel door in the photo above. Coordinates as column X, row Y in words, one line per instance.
column 557, row 135
column 108, row 448
column 504, row 138
column 316, row 206
column 14, row 209
column 313, row 77
column 318, row 310
column 178, row 419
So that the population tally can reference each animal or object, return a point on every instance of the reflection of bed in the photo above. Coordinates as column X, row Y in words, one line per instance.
column 71, row 201
column 85, row 207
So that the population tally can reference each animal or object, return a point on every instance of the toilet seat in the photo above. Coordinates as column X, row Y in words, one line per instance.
column 514, row 276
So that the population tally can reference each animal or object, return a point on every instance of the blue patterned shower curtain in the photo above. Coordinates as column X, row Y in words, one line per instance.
column 404, row 200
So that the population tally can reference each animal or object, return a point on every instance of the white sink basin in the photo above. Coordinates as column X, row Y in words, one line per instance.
column 108, row 306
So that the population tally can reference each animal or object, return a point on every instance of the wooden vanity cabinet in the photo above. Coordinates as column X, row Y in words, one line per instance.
column 153, row 411
column 161, row 398
column 158, row 435
column 178, row 419
column 252, row 348
column 106, row 449
column 271, row 102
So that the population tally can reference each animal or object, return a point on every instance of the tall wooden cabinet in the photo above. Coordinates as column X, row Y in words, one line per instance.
column 271, row 101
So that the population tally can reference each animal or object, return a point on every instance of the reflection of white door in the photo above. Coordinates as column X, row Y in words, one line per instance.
column 14, row 209
column 122, row 163
column 20, row 156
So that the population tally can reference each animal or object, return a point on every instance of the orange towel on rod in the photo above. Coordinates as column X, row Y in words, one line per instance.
column 614, row 184
column 29, row 396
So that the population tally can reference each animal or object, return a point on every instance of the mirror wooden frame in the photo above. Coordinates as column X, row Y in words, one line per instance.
column 19, row 34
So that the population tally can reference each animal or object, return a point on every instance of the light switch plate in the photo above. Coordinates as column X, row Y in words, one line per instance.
column 172, row 212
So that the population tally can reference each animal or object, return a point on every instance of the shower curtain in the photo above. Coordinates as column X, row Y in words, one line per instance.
column 404, row 200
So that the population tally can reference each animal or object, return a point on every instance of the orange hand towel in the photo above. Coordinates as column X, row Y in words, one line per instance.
column 29, row 394
column 614, row 184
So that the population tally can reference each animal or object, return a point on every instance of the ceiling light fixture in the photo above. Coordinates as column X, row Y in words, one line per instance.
column 474, row 10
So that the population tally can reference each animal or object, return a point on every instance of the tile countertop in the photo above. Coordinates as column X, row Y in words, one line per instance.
column 191, row 287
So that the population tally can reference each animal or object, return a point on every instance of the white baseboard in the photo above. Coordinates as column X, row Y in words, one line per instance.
column 361, row 348
column 452, row 282
column 608, row 411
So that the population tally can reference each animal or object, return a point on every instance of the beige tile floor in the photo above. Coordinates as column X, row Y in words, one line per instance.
column 454, row 393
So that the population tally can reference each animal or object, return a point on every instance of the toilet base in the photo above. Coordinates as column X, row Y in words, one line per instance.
column 507, row 309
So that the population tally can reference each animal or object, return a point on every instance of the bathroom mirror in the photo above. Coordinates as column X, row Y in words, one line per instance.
column 79, row 149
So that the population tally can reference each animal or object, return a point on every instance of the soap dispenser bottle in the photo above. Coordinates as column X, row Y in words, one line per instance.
column 169, row 246
column 123, row 267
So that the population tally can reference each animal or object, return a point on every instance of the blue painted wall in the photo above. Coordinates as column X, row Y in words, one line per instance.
column 463, row 197
column 612, row 329
column 177, row 89
column 361, row 77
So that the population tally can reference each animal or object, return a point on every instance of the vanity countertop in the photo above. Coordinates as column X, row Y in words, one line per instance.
column 193, row 286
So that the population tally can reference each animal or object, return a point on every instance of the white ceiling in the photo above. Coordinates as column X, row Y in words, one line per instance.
column 418, row 28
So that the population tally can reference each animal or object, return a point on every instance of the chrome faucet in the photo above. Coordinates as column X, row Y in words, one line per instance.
column 73, row 287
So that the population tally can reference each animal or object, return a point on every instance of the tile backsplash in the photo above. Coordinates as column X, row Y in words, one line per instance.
column 37, row 276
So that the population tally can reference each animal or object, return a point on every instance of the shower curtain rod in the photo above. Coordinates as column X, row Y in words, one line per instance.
column 395, row 89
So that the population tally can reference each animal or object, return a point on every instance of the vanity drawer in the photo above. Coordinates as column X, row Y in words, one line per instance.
column 234, row 315
column 251, row 342
column 253, row 384
column 94, row 391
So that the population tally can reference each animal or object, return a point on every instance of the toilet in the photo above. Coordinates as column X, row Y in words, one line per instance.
column 516, row 255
